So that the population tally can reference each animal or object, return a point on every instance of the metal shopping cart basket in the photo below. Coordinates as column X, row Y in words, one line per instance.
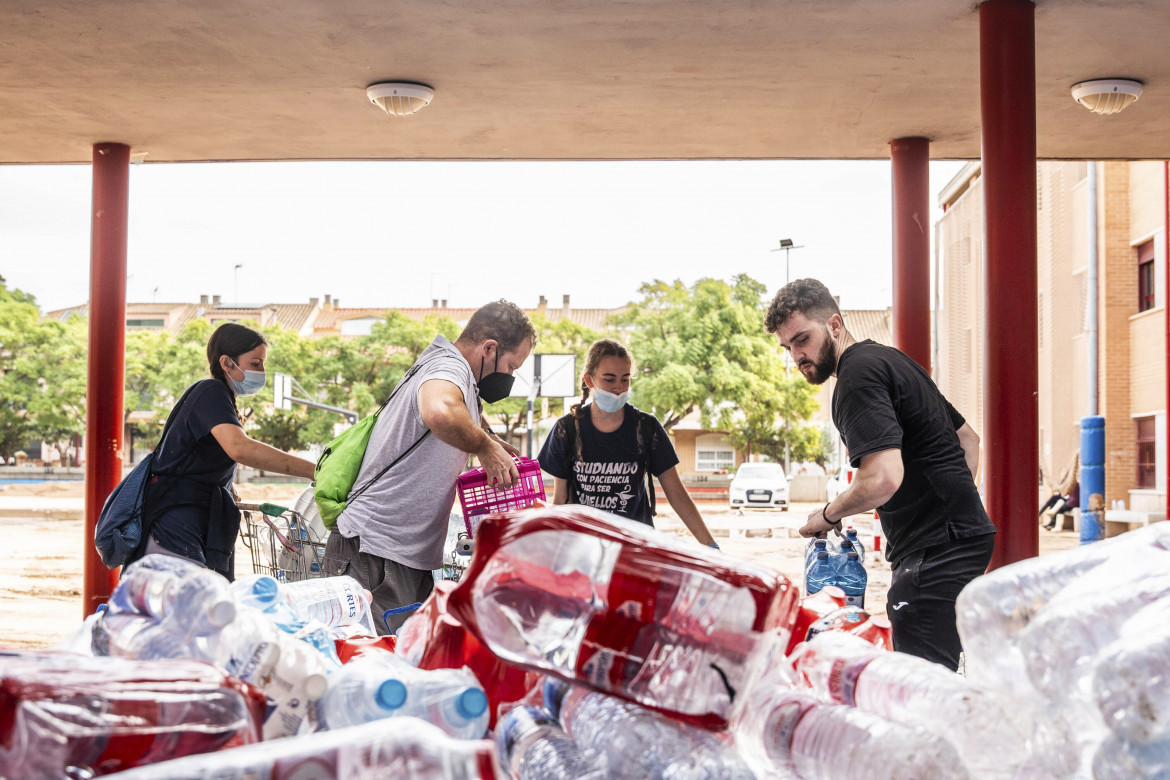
column 284, row 543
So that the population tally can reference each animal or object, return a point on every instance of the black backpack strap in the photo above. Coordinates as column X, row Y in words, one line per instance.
column 646, row 430
column 569, row 423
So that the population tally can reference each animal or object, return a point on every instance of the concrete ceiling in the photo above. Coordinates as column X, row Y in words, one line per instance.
column 193, row 80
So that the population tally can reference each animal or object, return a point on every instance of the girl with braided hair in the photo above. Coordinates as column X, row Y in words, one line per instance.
column 604, row 452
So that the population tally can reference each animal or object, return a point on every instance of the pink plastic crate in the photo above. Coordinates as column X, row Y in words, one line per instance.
column 478, row 498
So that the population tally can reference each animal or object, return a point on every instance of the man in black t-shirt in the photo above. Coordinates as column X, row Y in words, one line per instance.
column 916, row 460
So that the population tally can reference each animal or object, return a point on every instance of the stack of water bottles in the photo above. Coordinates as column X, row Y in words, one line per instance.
column 609, row 651
column 842, row 564
column 1077, row 646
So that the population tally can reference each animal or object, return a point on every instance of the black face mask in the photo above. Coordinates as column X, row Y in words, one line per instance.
column 495, row 386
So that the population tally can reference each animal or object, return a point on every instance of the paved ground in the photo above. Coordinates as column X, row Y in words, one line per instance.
column 40, row 587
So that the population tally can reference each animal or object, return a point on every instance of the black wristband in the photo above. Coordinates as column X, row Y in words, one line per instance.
column 826, row 517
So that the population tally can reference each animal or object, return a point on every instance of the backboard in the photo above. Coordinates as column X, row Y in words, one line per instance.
column 557, row 374
column 281, row 391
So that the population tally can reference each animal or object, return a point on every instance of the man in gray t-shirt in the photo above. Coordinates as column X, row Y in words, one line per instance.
column 391, row 535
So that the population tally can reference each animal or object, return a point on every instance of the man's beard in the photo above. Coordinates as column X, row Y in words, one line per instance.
column 824, row 365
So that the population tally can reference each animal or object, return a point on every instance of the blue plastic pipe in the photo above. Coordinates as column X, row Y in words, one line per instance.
column 1092, row 476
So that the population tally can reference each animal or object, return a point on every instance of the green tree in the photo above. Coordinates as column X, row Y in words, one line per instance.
column 51, row 373
column 20, row 332
column 704, row 347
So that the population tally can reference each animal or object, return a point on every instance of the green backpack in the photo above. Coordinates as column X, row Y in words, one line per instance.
column 339, row 465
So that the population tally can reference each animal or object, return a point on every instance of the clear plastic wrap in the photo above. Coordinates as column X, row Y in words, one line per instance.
column 403, row 749
column 589, row 597
column 101, row 715
column 376, row 687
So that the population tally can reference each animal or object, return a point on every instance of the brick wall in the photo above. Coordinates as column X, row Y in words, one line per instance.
column 1117, row 302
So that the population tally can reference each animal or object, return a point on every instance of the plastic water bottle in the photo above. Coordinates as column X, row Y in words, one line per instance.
column 1116, row 759
column 844, row 669
column 433, row 638
column 166, row 587
column 874, row 629
column 1060, row 645
column 638, row 743
column 576, row 592
column 532, row 746
column 384, row 686
column 793, row 733
column 410, row 749
column 851, row 578
column 993, row 609
column 333, row 601
column 289, row 671
column 820, row 573
column 812, row 608
column 858, row 547
column 1130, row 675
column 814, row 546
column 77, row 716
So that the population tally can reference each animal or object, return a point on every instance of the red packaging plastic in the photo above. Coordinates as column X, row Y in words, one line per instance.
column 812, row 609
column 357, row 646
column 874, row 629
column 108, row 714
column 433, row 638
column 621, row 608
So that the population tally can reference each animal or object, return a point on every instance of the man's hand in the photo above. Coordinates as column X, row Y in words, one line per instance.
column 508, row 448
column 498, row 465
column 817, row 525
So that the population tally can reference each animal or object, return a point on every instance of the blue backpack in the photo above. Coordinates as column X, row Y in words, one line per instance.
column 120, row 531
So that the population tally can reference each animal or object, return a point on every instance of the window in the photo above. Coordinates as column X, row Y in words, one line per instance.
column 1147, row 453
column 1145, row 258
column 714, row 460
column 712, row 453
column 144, row 323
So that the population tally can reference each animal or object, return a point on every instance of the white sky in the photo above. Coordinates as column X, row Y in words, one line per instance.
column 401, row 233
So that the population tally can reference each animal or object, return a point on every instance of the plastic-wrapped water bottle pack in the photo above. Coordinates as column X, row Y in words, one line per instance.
column 578, row 646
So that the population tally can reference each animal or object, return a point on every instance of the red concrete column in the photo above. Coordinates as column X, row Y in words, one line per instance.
column 1007, row 76
column 107, row 353
column 911, row 199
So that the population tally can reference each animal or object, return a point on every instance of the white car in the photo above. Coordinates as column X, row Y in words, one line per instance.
column 759, row 486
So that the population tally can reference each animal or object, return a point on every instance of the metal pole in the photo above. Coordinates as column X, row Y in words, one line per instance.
column 1091, row 293
column 107, row 354
column 1007, row 72
column 910, row 158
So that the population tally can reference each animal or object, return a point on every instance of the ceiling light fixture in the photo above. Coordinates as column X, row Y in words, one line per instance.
column 400, row 98
column 1107, row 96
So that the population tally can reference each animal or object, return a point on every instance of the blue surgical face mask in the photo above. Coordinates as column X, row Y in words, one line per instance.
column 609, row 402
column 252, row 383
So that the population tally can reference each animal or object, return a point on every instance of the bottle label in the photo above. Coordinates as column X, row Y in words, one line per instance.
column 597, row 668
column 855, row 600
column 781, row 725
column 842, row 682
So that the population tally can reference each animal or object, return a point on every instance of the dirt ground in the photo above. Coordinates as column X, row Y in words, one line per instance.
column 40, row 587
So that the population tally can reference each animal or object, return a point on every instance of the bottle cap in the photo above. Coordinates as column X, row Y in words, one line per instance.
column 852, row 556
column 471, row 703
column 315, row 685
column 822, row 555
column 222, row 613
column 391, row 695
column 265, row 589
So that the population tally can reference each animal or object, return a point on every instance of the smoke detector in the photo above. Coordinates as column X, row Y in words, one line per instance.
column 400, row 98
column 1107, row 96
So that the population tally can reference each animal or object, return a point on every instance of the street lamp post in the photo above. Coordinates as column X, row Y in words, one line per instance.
column 787, row 246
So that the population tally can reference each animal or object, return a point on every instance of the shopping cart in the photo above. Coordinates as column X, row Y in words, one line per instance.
column 283, row 542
